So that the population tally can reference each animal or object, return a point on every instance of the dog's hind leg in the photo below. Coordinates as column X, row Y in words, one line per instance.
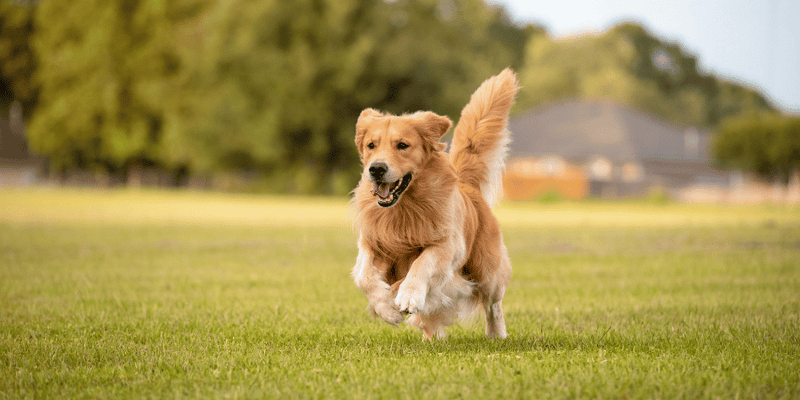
column 492, row 293
column 495, row 321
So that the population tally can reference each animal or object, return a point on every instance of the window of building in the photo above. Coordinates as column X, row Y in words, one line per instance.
column 600, row 169
column 551, row 166
column 632, row 172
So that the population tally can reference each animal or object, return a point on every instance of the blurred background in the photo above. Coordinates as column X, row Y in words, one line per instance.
column 694, row 101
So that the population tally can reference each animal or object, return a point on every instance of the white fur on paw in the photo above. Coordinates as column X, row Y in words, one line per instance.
column 410, row 298
column 496, row 335
column 388, row 313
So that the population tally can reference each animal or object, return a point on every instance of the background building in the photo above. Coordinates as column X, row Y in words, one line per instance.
column 581, row 149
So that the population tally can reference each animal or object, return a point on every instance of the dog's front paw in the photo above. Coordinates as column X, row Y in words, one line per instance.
column 387, row 312
column 411, row 298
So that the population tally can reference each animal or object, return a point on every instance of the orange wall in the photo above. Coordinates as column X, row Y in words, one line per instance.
column 571, row 185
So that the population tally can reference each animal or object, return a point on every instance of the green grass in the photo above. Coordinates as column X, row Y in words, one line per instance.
column 128, row 294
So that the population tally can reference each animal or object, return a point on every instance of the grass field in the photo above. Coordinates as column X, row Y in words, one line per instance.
column 140, row 294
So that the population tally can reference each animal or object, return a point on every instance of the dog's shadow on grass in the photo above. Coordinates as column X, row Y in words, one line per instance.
column 471, row 339
column 513, row 344
column 555, row 340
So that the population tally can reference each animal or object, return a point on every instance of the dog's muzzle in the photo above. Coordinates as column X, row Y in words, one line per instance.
column 388, row 193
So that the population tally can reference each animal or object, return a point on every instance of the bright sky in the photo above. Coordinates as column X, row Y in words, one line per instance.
column 754, row 42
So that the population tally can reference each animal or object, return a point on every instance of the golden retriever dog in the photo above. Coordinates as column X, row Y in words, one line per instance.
column 428, row 242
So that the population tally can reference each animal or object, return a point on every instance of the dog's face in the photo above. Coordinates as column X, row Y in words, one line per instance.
column 395, row 148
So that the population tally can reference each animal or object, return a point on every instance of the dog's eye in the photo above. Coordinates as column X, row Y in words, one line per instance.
column 371, row 145
column 402, row 146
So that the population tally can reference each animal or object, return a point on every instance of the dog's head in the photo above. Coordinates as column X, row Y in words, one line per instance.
column 395, row 148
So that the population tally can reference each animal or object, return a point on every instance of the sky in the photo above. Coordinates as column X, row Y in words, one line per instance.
column 753, row 42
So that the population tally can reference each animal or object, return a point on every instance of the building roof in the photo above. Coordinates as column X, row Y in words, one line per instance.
column 581, row 130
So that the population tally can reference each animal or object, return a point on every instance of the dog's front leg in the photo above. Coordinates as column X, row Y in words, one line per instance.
column 370, row 280
column 427, row 269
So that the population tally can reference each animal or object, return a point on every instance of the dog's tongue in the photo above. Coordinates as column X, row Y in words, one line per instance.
column 381, row 189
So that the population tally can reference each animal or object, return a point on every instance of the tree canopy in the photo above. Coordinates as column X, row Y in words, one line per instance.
column 106, row 74
column 631, row 66
column 274, row 87
column 17, row 58
column 767, row 144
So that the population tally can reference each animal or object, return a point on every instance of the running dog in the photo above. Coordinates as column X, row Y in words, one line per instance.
column 428, row 242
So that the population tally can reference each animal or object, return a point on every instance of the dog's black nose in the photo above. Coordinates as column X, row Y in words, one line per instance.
column 377, row 170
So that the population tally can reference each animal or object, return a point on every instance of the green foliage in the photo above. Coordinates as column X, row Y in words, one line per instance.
column 17, row 58
column 658, row 195
column 550, row 197
column 629, row 65
column 274, row 87
column 250, row 297
column 269, row 86
column 767, row 144
column 105, row 82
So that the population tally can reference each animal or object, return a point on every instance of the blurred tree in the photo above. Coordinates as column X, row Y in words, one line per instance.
column 276, row 86
column 260, row 86
column 505, row 32
column 267, row 86
column 17, row 58
column 767, row 144
column 629, row 65
column 105, row 73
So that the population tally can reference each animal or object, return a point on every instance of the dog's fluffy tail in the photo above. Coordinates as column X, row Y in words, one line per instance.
column 480, row 140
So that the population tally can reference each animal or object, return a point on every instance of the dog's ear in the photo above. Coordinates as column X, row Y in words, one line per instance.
column 432, row 127
column 361, row 126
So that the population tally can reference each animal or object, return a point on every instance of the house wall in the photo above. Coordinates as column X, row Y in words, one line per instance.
column 618, row 189
column 572, row 184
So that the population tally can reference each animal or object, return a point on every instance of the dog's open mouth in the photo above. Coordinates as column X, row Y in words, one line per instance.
column 389, row 192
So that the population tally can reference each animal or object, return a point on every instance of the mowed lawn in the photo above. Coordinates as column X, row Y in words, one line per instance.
column 157, row 294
